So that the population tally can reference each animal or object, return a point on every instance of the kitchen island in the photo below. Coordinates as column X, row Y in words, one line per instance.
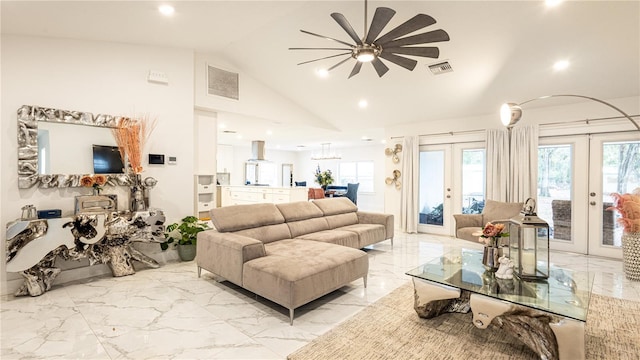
column 252, row 194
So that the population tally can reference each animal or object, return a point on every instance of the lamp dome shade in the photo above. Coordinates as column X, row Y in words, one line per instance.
column 510, row 113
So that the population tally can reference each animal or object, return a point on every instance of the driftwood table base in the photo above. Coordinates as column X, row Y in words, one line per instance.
column 549, row 335
column 34, row 245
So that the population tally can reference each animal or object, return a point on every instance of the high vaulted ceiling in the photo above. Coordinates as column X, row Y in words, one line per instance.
column 499, row 50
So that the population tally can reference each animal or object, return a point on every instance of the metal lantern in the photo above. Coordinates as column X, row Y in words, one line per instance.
column 529, row 243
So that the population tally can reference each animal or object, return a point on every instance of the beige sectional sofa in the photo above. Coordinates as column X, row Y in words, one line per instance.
column 291, row 253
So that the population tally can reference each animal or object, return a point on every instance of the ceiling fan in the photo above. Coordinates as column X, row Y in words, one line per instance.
column 371, row 48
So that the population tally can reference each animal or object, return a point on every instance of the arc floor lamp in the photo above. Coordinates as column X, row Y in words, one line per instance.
column 510, row 113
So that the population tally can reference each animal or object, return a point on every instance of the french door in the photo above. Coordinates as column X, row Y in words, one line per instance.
column 452, row 178
column 615, row 168
column 576, row 177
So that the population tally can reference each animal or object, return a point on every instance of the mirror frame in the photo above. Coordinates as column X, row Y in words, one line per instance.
column 28, row 118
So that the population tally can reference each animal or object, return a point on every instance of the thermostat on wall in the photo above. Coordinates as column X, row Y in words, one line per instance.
column 173, row 160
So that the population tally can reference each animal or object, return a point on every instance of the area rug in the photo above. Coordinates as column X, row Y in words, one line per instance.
column 391, row 329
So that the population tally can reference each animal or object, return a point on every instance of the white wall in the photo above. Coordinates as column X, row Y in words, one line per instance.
column 98, row 77
column 255, row 99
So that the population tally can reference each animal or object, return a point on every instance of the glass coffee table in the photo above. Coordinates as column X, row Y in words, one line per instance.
column 548, row 316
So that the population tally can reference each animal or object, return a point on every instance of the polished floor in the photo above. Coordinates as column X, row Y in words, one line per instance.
column 169, row 313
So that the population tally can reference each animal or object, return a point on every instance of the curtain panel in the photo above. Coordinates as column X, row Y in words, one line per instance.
column 410, row 188
column 497, row 165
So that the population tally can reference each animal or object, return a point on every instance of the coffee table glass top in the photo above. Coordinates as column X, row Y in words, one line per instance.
column 566, row 293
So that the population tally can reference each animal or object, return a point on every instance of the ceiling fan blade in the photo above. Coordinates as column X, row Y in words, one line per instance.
column 344, row 23
column 338, row 64
column 319, row 49
column 424, row 38
column 326, row 57
column 356, row 69
column 326, row 37
column 380, row 20
column 406, row 63
column 430, row 51
column 380, row 67
column 417, row 22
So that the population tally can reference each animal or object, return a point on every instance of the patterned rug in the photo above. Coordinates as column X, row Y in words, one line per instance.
column 391, row 329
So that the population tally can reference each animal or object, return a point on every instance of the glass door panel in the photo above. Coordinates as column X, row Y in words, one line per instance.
column 554, row 189
column 562, row 174
column 435, row 194
column 473, row 177
column 618, row 157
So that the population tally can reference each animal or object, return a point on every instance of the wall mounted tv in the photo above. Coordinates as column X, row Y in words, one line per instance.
column 106, row 160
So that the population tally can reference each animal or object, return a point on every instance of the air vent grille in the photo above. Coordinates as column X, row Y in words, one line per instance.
column 440, row 68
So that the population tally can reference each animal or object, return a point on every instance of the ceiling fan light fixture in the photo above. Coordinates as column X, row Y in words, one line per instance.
column 365, row 53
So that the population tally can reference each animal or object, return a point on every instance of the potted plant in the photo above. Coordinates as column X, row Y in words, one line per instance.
column 184, row 235
column 323, row 178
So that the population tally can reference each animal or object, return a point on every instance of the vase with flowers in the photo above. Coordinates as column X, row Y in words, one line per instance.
column 628, row 206
column 493, row 250
column 96, row 182
column 323, row 178
column 131, row 135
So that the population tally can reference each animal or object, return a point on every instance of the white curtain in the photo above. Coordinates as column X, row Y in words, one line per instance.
column 524, row 163
column 410, row 185
column 497, row 165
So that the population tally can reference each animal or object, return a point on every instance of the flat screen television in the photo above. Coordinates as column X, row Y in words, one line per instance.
column 106, row 160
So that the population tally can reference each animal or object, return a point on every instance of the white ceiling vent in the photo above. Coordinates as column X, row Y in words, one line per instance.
column 440, row 68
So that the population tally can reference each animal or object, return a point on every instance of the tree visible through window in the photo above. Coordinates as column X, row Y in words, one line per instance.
column 356, row 172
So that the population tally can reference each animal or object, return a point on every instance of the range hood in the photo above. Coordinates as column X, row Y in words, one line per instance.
column 257, row 151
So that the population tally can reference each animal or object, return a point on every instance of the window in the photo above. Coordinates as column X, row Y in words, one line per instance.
column 357, row 172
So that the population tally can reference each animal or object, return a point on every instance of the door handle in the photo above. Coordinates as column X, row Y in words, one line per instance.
column 592, row 203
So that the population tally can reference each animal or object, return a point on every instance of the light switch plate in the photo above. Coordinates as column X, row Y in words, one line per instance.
column 172, row 160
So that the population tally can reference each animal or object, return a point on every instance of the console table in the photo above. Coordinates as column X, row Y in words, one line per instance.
column 549, row 317
column 104, row 238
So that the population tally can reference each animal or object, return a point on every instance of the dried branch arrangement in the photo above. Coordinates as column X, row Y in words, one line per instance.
column 131, row 136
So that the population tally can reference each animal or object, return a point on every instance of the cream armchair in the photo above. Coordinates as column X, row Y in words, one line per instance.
column 467, row 224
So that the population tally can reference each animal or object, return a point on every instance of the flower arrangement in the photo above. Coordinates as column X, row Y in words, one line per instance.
column 628, row 205
column 323, row 178
column 491, row 233
column 131, row 135
column 95, row 181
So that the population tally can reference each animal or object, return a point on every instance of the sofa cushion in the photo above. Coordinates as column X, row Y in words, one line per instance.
column 295, row 272
column 300, row 210
column 303, row 227
column 497, row 210
column 268, row 233
column 335, row 206
column 336, row 221
column 367, row 233
column 239, row 217
column 338, row 237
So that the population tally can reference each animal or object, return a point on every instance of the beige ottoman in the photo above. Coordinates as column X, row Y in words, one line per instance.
column 295, row 272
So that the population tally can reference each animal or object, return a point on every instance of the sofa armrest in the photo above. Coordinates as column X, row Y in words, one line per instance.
column 377, row 218
column 224, row 254
column 468, row 220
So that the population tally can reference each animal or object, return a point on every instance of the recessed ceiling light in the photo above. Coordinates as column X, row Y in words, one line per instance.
column 166, row 10
column 323, row 73
column 269, row 132
column 552, row 3
column 561, row 65
column 363, row 103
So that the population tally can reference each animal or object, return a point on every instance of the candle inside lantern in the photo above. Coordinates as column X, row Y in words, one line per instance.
column 528, row 262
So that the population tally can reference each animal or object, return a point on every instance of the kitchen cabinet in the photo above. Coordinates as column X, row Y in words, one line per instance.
column 238, row 195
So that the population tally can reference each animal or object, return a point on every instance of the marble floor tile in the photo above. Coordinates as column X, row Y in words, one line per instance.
column 170, row 313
